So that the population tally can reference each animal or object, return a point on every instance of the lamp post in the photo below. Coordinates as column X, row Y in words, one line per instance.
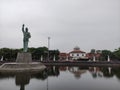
column 48, row 56
column 48, row 46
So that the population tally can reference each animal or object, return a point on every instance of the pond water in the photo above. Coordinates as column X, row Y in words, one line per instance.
column 64, row 78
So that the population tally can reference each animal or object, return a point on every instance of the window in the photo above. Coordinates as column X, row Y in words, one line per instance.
column 72, row 54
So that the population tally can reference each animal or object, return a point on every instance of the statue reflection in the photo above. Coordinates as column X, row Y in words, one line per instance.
column 22, row 79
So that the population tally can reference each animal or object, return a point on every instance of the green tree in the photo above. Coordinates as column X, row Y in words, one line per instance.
column 93, row 51
column 117, row 54
column 105, row 54
column 38, row 52
column 54, row 53
column 9, row 54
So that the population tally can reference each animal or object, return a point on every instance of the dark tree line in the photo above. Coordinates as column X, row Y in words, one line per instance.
column 114, row 55
column 11, row 54
column 117, row 53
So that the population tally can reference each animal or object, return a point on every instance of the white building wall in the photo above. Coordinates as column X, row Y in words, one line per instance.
column 77, row 55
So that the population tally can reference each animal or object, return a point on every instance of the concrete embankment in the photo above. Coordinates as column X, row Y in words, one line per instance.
column 22, row 67
column 82, row 63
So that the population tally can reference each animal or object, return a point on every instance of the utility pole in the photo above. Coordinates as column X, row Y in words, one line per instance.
column 48, row 47
column 48, row 56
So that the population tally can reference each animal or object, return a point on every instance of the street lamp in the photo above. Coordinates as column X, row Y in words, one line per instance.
column 48, row 46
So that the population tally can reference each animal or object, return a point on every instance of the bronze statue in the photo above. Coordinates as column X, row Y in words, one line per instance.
column 26, row 36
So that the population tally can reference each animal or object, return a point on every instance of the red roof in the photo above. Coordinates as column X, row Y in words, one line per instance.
column 77, row 51
column 90, row 55
column 63, row 54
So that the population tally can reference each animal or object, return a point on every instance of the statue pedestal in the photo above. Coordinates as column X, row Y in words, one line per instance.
column 24, row 57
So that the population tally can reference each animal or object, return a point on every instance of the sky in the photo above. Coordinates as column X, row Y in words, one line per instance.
column 89, row 24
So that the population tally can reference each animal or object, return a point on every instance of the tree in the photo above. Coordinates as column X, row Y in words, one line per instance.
column 54, row 53
column 105, row 54
column 98, row 51
column 38, row 52
column 117, row 54
column 9, row 54
column 92, row 51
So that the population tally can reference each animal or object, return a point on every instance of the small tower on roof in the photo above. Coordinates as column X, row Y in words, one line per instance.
column 76, row 48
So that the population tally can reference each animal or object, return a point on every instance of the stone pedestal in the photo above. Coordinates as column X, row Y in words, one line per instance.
column 24, row 57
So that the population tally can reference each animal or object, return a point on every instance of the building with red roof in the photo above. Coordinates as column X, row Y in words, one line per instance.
column 63, row 56
column 97, row 56
column 77, row 54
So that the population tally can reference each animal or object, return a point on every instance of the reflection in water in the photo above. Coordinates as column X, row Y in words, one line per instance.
column 96, row 72
column 77, row 71
column 23, row 79
column 109, row 70
column 55, row 71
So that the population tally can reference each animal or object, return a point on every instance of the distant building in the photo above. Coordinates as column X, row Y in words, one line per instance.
column 63, row 56
column 77, row 54
column 92, row 55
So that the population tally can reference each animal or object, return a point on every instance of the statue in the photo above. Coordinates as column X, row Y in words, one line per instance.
column 26, row 36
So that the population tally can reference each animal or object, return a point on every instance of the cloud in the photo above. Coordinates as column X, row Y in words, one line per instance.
column 85, row 23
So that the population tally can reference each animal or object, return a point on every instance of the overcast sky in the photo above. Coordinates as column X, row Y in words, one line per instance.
column 85, row 23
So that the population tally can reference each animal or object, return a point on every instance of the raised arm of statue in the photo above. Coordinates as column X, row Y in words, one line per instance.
column 23, row 28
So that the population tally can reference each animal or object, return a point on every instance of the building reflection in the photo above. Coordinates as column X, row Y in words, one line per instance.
column 77, row 71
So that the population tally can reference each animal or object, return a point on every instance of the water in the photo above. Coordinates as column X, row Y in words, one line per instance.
column 64, row 78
